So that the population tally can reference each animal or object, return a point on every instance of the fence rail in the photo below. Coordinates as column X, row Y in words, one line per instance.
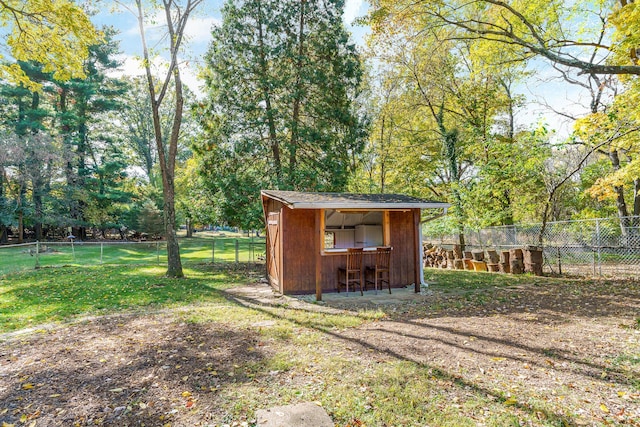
column 27, row 256
column 594, row 247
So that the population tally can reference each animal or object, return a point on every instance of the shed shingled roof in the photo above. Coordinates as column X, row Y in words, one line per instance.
column 309, row 200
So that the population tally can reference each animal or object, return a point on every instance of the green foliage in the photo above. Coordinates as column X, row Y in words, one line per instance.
column 150, row 219
column 445, row 126
column 69, row 167
column 282, row 80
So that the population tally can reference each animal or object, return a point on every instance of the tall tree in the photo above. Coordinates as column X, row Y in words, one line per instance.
column 282, row 80
column 28, row 117
column 82, row 106
column 447, row 120
column 175, row 16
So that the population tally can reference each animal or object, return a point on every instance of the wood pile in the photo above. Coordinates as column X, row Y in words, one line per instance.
column 514, row 261
column 532, row 260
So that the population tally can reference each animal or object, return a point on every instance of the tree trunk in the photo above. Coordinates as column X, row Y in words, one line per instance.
column 381, row 159
column 636, row 202
column 189, row 228
column 264, row 69
column 297, row 101
column 166, row 160
column 37, row 207
column 3, row 228
column 621, row 204
column 174, row 263
column 21, row 202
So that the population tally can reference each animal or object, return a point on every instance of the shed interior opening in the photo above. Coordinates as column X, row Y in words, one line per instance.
column 361, row 229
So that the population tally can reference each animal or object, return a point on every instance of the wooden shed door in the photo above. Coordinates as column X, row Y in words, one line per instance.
column 274, row 258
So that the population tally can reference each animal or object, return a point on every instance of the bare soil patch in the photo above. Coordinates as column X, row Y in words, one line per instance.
column 554, row 353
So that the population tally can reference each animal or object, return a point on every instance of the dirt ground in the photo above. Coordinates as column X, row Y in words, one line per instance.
column 574, row 346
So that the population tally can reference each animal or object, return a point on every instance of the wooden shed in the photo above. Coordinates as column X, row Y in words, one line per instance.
column 308, row 235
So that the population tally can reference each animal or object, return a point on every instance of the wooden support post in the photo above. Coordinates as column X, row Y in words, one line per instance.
column 417, row 250
column 318, row 251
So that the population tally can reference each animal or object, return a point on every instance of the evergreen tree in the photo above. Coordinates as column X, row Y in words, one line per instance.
column 82, row 106
column 282, row 80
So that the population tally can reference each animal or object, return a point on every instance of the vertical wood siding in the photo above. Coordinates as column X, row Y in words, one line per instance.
column 299, row 248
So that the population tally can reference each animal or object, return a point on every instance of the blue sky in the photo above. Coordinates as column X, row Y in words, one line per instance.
column 198, row 35
column 539, row 89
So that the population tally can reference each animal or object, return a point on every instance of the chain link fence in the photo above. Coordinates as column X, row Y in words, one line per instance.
column 28, row 256
column 593, row 247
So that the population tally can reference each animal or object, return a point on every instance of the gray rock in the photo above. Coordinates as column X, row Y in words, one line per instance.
column 301, row 415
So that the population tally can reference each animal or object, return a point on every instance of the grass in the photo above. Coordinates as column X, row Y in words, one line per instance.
column 192, row 250
column 59, row 294
column 302, row 363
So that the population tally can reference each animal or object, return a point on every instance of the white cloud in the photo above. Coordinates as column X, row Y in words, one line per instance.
column 198, row 30
column 132, row 67
column 351, row 10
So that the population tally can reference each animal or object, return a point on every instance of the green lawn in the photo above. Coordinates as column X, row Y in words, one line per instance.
column 192, row 250
column 58, row 294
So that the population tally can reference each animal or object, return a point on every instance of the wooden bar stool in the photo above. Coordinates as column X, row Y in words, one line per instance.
column 352, row 273
column 381, row 271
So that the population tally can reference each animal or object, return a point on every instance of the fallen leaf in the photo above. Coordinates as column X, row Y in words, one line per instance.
column 116, row 390
column 511, row 401
column 27, row 386
column 604, row 408
column 186, row 394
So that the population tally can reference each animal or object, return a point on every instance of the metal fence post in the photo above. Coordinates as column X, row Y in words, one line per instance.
column 158, row 252
column 237, row 251
column 101, row 251
column 213, row 251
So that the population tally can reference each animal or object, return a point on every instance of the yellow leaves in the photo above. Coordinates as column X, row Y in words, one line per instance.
column 55, row 33
column 186, row 394
column 604, row 408
column 604, row 187
column 511, row 401
column 627, row 22
column 27, row 386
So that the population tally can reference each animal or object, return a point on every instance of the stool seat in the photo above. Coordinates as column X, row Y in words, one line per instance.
column 352, row 272
column 381, row 271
